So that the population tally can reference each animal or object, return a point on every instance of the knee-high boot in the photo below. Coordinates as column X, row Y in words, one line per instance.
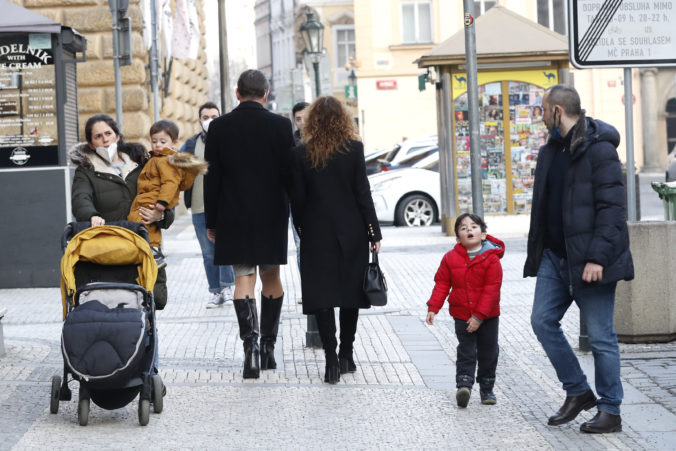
column 348, row 329
column 271, row 309
column 247, row 317
column 326, row 323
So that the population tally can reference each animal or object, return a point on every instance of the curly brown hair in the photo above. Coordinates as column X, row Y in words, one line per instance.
column 327, row 130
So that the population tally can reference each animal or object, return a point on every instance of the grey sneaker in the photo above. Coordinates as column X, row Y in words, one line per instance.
column 228, row 295
column 216, row 300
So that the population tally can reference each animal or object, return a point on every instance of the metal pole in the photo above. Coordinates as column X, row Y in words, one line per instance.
column 154, row 61
column 315, row 65
column 473, row 107
column 443, row 179
column 223, row 52
column 449, row 165
column 629, row 127
column 116, row 65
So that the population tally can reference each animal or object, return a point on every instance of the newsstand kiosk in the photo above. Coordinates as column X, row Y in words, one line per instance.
column 38, row 123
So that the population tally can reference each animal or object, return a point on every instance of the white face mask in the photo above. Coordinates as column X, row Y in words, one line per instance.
column 205, row 125
column 107, row 153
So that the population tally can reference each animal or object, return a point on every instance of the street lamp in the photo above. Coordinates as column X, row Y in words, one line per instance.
column 313, row 36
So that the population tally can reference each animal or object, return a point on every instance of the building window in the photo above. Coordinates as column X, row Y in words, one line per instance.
column 481, row 6
column 343, row 41
column 416, row 22
column 552, row 14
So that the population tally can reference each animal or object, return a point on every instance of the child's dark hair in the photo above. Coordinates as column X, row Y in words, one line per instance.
column 167, row 127
column 476, row 219
column 136, row 151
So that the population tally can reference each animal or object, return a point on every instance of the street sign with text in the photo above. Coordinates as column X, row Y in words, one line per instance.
column 622, row 33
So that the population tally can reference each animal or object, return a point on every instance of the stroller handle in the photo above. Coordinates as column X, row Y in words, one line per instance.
column 73, row 228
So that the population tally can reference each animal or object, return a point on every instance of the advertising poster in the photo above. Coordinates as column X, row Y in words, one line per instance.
column 28, row 123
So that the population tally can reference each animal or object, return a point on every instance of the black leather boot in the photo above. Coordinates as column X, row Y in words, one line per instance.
column 571, row 408
column 486, row 390
column 348, row 329
column 603, row 423
column 247, row 317
column 271, row 310
column 326, row 323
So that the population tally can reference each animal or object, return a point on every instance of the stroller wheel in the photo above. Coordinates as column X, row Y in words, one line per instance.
column 158, row 396
column 83, row 411
column 55, row 395
column 143, row 412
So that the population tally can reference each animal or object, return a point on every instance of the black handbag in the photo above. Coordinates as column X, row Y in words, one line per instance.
column 375, row 286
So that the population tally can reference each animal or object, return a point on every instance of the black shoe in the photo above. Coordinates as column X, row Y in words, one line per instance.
column 462, row 396
column 572, row 406
column 247, row 317
column 347, row 365
column 271, row 310
column 603, row 423
column 487, row 397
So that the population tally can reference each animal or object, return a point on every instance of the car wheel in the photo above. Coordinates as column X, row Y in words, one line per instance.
column 415, row 210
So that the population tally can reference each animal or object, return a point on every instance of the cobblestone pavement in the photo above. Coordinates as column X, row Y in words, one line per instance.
column 402, row 395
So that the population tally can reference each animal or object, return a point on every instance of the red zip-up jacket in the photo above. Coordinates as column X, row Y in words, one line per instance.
column 474, row 284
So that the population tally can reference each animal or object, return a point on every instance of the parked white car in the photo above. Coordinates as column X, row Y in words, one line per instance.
column 406, row 150
column 409, row 196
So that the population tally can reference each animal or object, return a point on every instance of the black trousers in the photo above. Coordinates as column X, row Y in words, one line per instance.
column 480, row 346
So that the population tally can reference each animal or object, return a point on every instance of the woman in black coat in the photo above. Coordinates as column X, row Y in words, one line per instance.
column 335, row 218
column 104, row 184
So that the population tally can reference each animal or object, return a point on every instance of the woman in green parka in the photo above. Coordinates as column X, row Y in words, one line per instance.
column 104, row 184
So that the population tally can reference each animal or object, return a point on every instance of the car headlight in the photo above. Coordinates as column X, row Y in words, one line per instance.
column 384, row 185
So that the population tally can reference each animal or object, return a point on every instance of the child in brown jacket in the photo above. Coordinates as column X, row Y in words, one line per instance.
column 164, row 176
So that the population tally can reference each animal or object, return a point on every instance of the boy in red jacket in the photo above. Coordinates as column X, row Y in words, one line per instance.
column 472, row 273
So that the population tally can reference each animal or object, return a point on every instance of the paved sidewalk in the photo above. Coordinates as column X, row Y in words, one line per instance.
column 402, row 396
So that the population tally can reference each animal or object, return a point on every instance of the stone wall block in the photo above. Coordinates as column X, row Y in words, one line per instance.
column 95, row 46
column 91, row 100
column 95, row 73
column 136, row 125
column 89, row 19
column 134, row 98
column 645, row 308
column 60, row 3
column 136, row 73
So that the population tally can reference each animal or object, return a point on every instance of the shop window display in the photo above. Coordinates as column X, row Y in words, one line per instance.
column 493, row 167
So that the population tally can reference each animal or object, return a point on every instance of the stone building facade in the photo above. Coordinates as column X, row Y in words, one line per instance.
column 188, row 80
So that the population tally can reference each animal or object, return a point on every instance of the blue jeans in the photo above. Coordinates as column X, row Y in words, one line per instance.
column 218, row 276
column 596, row 304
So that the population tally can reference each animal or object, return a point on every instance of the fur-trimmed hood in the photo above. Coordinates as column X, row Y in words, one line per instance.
column 81, row 155
column 588, row 131
column 188, row 162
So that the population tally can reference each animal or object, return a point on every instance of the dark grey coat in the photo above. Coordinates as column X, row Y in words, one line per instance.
column 245, row 190
column 594, row 206
column 334, row 212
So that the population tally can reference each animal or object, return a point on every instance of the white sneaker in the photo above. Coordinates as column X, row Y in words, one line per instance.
column 228, row 295
column 216, row 300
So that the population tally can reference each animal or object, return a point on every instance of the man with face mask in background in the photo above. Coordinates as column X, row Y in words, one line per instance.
column 578, row 247
column 221, row 279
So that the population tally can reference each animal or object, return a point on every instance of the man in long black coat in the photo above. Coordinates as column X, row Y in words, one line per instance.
column 247, row 210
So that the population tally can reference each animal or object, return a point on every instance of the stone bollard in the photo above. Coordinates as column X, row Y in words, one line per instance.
column 645, row 308
column 2, row 338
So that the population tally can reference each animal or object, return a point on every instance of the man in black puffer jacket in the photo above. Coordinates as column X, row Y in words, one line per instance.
column 578, row 247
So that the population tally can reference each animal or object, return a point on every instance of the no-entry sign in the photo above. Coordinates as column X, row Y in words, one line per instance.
column 622, row 33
